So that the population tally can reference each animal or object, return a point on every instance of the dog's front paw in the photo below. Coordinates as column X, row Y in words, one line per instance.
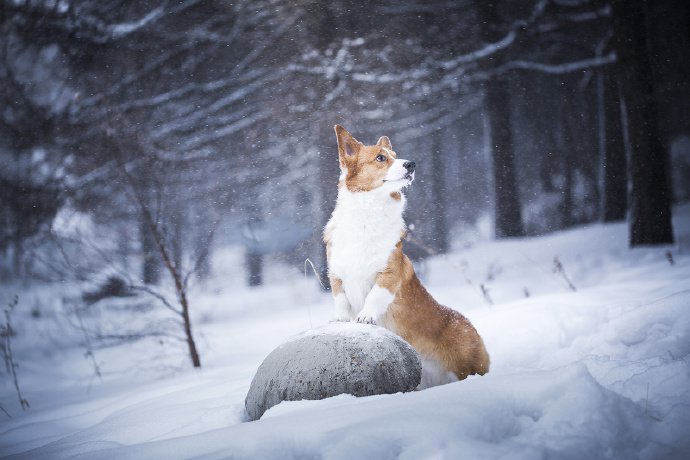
column 365, row 317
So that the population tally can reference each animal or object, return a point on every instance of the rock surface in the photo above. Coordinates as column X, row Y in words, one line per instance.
column 338, row 358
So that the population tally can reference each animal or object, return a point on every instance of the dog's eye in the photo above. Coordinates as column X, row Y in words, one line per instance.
column 380, row 157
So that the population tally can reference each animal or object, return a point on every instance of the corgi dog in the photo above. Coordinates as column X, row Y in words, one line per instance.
column 373, row 282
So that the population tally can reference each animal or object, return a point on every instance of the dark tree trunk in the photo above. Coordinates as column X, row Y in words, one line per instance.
column 566, row 131
column 255, row 246
column 254, row 264
column 177, row 244
column 17, row 253
column 615, row 164
column 508, row 218
column 575, row 146
column 650, row 219
column 439, row 197
column 191, row 345
column 203, row 244
column 587, row 159
column 328, row 188
column 159, row 243
column 325, row 23
column 150, row 271
column 253, row 257
column 202, row 232
column 568, row 203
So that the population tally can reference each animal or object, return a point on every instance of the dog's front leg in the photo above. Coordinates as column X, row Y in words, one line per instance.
column 343, row 309
column 375, row 305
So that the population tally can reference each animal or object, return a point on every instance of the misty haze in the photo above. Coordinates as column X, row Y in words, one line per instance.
column 168, row 171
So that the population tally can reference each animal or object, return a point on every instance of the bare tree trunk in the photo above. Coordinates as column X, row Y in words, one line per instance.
column 508, row 217
column 254, row 264
column 438, row 195
column 327, row 22
column 150, row 270
column 563, row 128
column 568, row 203
column 650, row 220
column 176, row 244
column 328, row 187
column 180, row 283
column 572, row 145
column 253, row 257
column 17, row 253
column 180, row 289
column 191, row 345
column 615, row 168
column 202, row 247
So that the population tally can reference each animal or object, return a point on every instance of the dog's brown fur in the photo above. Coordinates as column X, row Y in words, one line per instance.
column 433, row 330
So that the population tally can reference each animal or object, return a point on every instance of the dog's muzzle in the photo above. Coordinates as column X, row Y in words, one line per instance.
column 409, row 166
column 401, row 170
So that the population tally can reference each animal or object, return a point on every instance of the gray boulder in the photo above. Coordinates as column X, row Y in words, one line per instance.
column 357, row 359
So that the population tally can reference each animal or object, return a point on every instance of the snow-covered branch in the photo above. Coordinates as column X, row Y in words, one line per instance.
column 558, row 69
column 73, row 19
column 461, row 69
column 507, row 40
column 486, row 51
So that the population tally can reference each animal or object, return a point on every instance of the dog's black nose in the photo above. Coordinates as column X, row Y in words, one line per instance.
column 409, row 165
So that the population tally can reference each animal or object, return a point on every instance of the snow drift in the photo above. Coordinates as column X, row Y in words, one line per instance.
column 597, row 372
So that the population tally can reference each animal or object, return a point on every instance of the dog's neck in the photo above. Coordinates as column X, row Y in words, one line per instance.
column 373, row 209
column 376, row 200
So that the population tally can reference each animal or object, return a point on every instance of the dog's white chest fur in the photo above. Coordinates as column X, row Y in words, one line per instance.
column 364, row 229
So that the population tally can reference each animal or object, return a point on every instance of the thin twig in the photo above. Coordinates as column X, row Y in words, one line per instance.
column 7, row 349
column 485, row 294
column 432, row 252
column 203, row 254
column 174, row 271
column 318, row 278
column 559, row 270
column 158, row 296
column 89, row 349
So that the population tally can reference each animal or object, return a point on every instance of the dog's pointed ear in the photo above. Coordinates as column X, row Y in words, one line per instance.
column 348, row 146
column 385, row 143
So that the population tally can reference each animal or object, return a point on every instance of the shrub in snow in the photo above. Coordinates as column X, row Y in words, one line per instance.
column 338, row 358
column 114, row 286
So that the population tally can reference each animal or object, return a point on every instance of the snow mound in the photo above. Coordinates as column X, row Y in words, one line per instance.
column 339, row 358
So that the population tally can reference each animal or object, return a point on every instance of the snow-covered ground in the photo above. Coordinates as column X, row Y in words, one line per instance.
column 602, row 371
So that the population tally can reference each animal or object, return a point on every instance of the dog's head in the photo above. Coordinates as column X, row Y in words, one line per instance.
column 364, row 168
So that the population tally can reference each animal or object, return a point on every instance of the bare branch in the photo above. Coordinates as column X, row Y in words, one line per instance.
column 73, row 20
column 203, row 254
column 481, row 53
column 7, row 351
column 87, row 343
column 158, row 296
column 559, row 69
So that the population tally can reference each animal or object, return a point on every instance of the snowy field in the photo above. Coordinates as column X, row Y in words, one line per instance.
column 602, row 371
